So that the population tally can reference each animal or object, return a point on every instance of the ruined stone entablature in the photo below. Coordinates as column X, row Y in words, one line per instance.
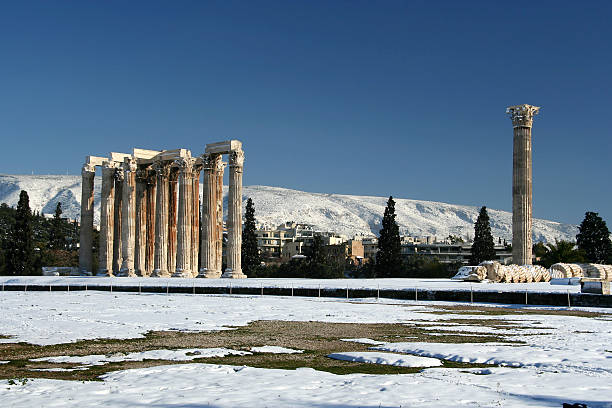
column 150, row 212
column 522, row 115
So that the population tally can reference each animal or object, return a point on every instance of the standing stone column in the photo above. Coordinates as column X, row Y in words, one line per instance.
column 195, row 217
column 522, row 121
column 141, row 223
column 172, row 204
column 107, row 201
column 234, row 217
column 128, row 223
column 161, row 220
column 183, row 251
column 208, row 257
column 219, row 229
column 117, row 208
column 150, row 244
column 86, row 234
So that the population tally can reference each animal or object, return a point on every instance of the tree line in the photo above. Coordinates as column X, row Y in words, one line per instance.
column 29, row 240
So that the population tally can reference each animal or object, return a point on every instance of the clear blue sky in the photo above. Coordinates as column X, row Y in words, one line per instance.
column 356, row 97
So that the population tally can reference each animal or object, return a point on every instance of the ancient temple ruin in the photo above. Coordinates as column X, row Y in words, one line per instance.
column 149, row 213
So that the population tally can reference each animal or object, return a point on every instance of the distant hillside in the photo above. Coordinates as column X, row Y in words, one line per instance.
column 346, row 214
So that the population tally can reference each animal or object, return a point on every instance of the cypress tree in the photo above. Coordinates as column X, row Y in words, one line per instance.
column 389, row 255
column 483, row 248
column 21, row 246
column 594, row 238
column 250, row 252
column 57, row 239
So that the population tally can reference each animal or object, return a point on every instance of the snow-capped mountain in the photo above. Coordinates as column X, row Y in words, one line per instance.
column 345, row 214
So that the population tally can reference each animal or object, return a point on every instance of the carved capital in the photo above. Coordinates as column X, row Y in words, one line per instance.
column 129, row 165
column 162, row 168
column 236, row 158
column 185, row 164
column 522, row 115
column 88, row 169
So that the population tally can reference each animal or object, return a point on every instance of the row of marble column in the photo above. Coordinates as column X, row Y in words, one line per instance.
column 148, row 228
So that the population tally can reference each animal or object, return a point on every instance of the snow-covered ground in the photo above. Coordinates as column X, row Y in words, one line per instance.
column 345, row 214
column 294, row 283
column 569, row 361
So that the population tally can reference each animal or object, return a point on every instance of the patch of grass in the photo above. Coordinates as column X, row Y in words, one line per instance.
column 318, row 339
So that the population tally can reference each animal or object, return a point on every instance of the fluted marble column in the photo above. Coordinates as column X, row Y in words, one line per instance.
column 219, row 212
column 86, row 234
column 140, row 249
column 107, row 201
column 162, row 170
column 234, row 217
column 195, row 217
column 128, row 222
column 522, row 241
column 185, row 206
column 172, row 209
column 117, row 211
column 208, row 257
column 151, row 214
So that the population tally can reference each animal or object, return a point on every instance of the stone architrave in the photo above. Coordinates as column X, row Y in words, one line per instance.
column 208, row 256
column 150, row 243
column 128, row 222
column 522, row 190
column 172, row 213
column 117, row 211
column 140, row 249
column 107, row 201
column 185, row 205
column 86, row 234
column 162, row 169
column 234, row 217
column 195, row 217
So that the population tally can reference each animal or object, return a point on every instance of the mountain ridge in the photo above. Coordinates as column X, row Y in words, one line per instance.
column 342, row 213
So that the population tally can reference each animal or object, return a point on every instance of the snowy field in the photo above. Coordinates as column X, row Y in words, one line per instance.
column 402, row 283
column 563, row 358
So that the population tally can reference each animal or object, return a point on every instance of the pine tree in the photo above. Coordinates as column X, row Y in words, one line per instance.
column 389, row 256
column 594, row 238
column 21, row 247
column 483, row 248
column 250, row 252
column 57, row 238
column 316, row 251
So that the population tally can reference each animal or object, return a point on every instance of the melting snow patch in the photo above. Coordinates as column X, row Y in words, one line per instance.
column 275, row 350
column 174, row 355
column 484, row 353
column 365, row 341
column 387, row 359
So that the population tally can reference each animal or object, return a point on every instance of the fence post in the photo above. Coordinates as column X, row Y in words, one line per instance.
column 347, row 290
column 25, row 289
column 167, row 288
column 378, row 293
column 319, row 290
column 471, row 294
column 230, row 288
column 416, row 294
column 139, row 289
column 292, row 289
column 262, row 289
column 111, row 287
column 526, row 296
column 568, row 299
column 194, row 287
column 85, row 287
column 69, row 287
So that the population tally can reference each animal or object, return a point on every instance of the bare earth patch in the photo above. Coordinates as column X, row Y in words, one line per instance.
column 318, row 339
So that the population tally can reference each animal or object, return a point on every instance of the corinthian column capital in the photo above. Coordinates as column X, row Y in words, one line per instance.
column 236, row 158
column 87, row 169
column 522, row 115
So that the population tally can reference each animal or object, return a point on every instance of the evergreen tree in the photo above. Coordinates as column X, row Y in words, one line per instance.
column 389, row 255
column 561, row 251
column 483, row 248
column 316, row 251
column 21, row 246
column 57, row 238
column 250, row 252
column 594, row 238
